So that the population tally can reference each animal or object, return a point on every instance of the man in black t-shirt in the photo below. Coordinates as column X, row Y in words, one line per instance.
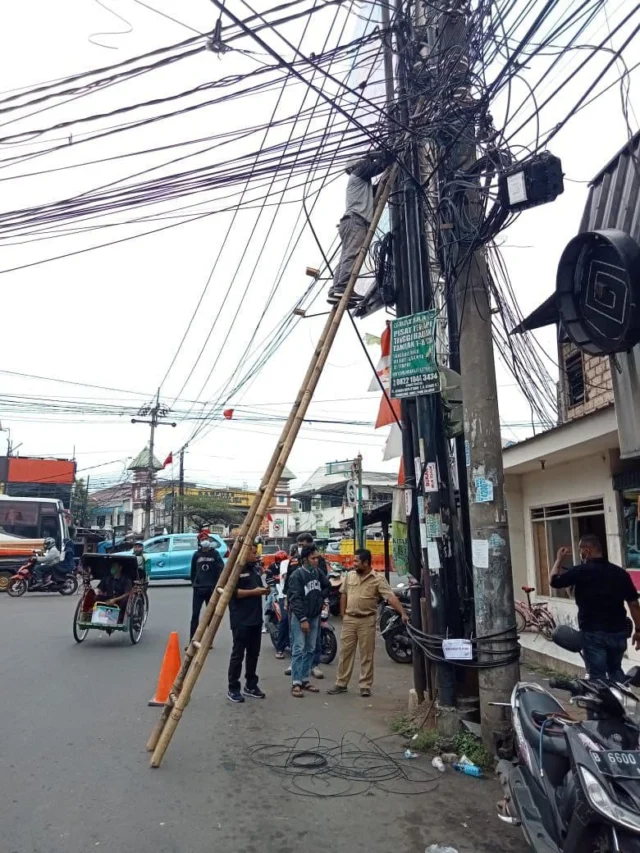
column 601, row 590
column 206, row 568
column 245, row 613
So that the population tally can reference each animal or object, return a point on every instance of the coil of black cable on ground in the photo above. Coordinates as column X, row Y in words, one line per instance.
column 313, row 766
column 431, row 647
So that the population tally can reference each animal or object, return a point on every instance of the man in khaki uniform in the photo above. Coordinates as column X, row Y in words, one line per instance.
column 361, row 591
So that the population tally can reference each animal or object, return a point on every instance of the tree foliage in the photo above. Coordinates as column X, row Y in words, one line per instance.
column 80, row 503
column 203, row 511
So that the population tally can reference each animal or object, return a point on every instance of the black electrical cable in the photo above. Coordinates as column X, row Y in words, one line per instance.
column 312, row 765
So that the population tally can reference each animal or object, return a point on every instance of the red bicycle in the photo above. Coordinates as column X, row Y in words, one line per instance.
column 536, row 616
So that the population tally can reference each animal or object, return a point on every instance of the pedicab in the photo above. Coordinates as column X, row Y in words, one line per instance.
column 95, row 613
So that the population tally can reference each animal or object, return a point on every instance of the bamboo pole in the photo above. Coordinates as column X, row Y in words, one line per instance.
column 199, row 647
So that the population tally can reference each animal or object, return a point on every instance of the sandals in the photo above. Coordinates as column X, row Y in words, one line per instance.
column 296, row 692
column 310, row 688
column 279, row 655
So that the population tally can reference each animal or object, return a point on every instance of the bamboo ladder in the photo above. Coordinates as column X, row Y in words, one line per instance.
column 200, row 645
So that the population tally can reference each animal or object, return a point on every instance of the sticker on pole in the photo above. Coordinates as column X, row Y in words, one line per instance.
column 352, row 493
column 414, row 371
column 457, row 649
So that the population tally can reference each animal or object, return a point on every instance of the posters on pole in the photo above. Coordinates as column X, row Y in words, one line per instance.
column 400, row 547
column 414, row 371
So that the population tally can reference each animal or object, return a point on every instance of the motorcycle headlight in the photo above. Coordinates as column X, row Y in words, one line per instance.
column 604, row 805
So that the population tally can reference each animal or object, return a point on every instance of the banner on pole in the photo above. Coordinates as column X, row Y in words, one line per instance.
column 414, row 371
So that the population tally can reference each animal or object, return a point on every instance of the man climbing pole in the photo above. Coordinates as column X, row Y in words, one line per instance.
column 357, row 218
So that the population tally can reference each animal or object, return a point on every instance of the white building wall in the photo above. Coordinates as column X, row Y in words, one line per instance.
column 579, row 480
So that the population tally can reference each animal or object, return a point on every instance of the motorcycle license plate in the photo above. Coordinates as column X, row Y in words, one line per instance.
column 622, row 764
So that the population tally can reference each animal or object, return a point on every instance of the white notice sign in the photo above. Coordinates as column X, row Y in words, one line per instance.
column 457, row 649
column 480, row 553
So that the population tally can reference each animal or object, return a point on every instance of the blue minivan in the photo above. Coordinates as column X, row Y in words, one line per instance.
column 168, row 557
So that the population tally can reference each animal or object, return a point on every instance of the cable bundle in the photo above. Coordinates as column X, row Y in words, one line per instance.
column 314, row 766
column 431, row 647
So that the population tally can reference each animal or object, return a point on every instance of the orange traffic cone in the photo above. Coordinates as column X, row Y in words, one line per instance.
column 168, row 671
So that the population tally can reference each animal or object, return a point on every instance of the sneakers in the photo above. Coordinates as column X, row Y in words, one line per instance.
column 334, row 296
column 287, row 671
column 254, row 692
column 336, row 689
column 316, row 672
column 235, row 696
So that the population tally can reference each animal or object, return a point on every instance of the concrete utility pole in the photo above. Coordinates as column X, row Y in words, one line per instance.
column 156, row 413
column 436, row 502
column 358, row 473
column 181, row 493
column 423, row 669
column 493, row 581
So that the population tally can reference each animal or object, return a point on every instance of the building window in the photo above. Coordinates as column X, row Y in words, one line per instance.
column 100, row 520
column 630, row 505
column 562, row 525
column 282, row 499
column 574, row 369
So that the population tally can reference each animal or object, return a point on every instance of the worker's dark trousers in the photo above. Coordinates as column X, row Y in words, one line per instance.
column 352, row 230
column 201, row 595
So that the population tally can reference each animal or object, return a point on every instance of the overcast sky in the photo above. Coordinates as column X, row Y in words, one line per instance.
column 114, row 317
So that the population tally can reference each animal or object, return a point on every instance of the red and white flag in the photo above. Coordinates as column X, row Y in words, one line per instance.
column 168, row 461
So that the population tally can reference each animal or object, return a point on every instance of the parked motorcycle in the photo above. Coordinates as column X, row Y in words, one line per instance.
column 26, row 580
column 574, row 785
column 397, row 642
column 273, row 618
column 336, row 576
column 404, row 596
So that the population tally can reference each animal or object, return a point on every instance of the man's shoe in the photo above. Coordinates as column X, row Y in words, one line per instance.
column 287, row 671
column 336, row 689
column 316, row 672
column 254, row 692
column 365, row 692
column 334, row 297
column 235, row 696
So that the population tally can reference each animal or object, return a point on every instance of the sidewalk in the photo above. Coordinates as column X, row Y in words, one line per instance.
column 459, row 811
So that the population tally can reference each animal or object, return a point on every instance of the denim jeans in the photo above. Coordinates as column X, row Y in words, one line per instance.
column 603, row 653
column 317, row 655
column 303, row 648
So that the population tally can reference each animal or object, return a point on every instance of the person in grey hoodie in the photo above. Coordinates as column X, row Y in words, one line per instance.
column 306, row 590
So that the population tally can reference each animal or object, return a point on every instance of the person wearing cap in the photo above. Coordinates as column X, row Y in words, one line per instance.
column 357, row 218
column 206, row 568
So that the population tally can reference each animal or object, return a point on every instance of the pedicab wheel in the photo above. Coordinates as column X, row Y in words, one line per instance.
column 5, row 577
column 70, row 586
column 79, row 631
column 146, row 607
column 17, row 588
column 136, row 619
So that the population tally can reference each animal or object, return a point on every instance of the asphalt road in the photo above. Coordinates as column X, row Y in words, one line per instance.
column 74, row 773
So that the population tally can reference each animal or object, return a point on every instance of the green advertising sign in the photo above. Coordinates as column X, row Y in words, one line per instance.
column 414, row 371
column 400, row 547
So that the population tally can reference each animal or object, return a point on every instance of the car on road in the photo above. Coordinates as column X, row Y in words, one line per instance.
column 168, row 556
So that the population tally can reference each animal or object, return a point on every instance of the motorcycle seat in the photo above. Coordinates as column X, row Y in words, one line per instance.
column 535, row 707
